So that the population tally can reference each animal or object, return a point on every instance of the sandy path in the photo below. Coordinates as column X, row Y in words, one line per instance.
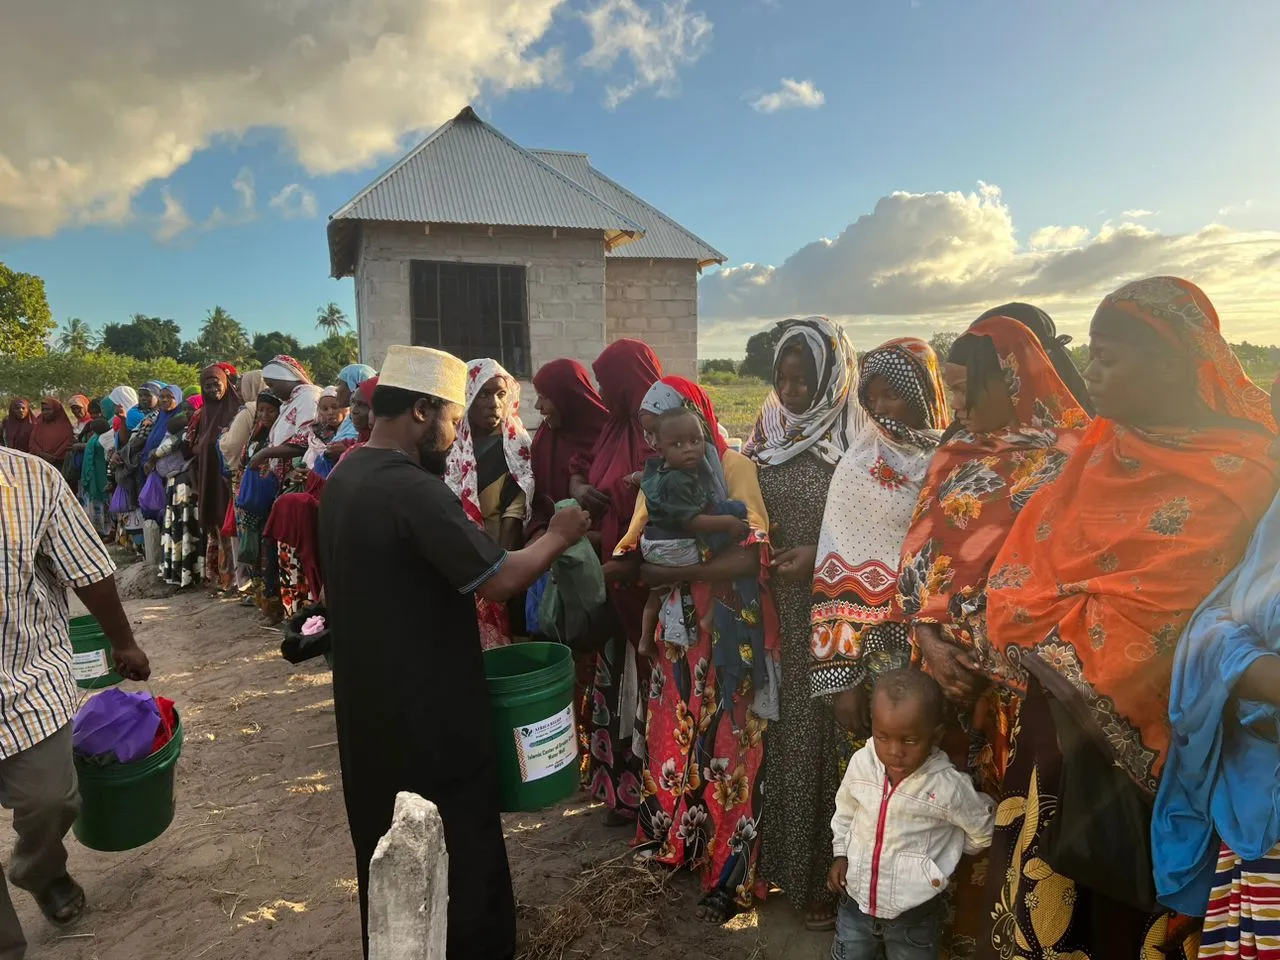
column 258, row 863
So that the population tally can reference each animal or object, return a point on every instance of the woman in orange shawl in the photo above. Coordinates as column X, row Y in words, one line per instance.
column 1085, row 605
column 1016, row 425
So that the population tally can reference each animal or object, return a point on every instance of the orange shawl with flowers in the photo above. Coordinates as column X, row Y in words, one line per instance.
column 976, row 487
column 1103, row 570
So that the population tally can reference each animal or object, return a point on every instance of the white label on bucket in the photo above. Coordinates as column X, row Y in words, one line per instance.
column 89, row 665
column 548, row 746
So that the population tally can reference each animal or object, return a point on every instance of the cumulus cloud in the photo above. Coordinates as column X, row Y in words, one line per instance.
column 130, row 90
column 294, row 201
column 924, row 261
column 792, row 94
column 1058, row 238
column 657, row 40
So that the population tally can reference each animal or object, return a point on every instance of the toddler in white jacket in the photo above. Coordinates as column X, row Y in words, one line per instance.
column 904, row 815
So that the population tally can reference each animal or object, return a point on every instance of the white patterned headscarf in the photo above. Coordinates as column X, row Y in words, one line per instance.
column 461, row 469
column 823, row 429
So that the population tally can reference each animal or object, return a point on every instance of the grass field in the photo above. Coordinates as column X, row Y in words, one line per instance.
column 738, row 404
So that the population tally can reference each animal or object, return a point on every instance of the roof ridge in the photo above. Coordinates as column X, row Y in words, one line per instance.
column 468, row 115
column 559, row 153
column 648, row 206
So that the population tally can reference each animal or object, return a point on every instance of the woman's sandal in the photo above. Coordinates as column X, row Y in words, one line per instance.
column 821, row 921
column 717, row 907
column 62, row 901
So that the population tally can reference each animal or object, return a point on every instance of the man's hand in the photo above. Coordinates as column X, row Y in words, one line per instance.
column 569, row 524
column 335, row 450
column 132, row 663
column 796, row 563
column 258, row 460
column 837, row 875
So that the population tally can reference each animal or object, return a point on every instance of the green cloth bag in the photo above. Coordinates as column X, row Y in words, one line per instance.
column 574, row 599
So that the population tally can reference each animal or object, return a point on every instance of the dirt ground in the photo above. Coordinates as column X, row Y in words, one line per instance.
column 258, row 862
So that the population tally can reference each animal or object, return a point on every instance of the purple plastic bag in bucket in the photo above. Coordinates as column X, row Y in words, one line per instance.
column 116, row 722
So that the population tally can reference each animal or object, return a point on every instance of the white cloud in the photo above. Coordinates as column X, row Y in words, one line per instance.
column 657, row 39
column 246, row 210
column 924, row 261
column 792, row 93
column 1138, row 213
column 1058, row 238
column 294, row 201
column 133, row 89
column 1232, row 209
column 173, row 219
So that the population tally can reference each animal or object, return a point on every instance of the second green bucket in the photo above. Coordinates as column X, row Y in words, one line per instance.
column 91, row 660
column 531, row 702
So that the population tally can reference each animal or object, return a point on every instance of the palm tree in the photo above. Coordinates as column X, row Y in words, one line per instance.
column 76, row 336
column 331, row 319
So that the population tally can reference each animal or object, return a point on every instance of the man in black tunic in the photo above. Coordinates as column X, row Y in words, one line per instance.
column 401, row 564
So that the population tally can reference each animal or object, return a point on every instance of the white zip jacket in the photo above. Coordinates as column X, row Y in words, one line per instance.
column 903, row 842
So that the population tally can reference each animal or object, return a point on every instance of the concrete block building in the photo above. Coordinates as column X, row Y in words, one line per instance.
column 476, row 245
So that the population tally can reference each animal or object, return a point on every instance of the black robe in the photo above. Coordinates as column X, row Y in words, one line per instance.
column 401, row 562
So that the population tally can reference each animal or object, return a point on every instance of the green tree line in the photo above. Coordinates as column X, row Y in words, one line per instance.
column 38, row 357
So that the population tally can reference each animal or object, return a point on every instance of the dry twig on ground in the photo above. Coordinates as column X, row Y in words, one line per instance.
column 617, row 893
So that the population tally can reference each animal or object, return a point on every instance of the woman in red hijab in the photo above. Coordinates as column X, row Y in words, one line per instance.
column 52, row 435
column 573, row 417
column 16, row 431
column 601, row 482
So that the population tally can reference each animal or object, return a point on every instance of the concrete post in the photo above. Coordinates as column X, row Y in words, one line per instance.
column 409, row 885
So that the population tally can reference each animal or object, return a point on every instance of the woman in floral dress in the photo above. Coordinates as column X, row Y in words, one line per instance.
column 1086, row 601
column 702, row 793
column 801, row 434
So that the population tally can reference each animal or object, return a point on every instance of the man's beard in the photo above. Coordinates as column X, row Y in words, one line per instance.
column 433, row 459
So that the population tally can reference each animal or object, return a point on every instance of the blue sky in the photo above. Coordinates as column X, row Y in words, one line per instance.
column 1131, row 127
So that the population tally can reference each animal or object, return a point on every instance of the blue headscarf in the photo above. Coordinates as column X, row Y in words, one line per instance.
column 353, row 374
column 1221, row 781
column 157, row 434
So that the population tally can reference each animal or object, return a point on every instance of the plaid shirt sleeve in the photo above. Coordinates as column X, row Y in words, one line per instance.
column 70, row 543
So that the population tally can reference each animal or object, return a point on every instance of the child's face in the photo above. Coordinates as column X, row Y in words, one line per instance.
column 328, row 413
column 680, row 442
column 268, row 413
column 903, row 733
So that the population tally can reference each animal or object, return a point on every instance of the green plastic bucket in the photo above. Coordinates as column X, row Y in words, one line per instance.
column 92, row 663
column 531, row 703
column 127, row 805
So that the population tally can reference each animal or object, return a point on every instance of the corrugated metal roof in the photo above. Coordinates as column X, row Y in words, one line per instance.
column 663, row 239
column 468, row 172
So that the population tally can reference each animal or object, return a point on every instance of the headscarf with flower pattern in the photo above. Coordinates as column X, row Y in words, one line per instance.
column 977, row 485
column 462, row 473
column 1103, row 570
column 823, row 429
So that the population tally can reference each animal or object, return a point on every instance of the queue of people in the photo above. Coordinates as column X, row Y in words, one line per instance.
column 970, row 655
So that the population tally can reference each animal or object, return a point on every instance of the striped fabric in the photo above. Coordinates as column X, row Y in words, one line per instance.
column 47, row 544
column 1243, row 920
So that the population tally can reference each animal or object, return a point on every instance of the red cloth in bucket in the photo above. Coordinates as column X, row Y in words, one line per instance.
column 168, row 723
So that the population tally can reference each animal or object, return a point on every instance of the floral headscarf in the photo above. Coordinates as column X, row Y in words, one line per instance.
column 780, row 435
column 1104, row 569
column 461, row 471
column 1179, row 311
column 977, row 485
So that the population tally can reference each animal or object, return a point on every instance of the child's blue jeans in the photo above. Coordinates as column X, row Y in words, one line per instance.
column 914, row 935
